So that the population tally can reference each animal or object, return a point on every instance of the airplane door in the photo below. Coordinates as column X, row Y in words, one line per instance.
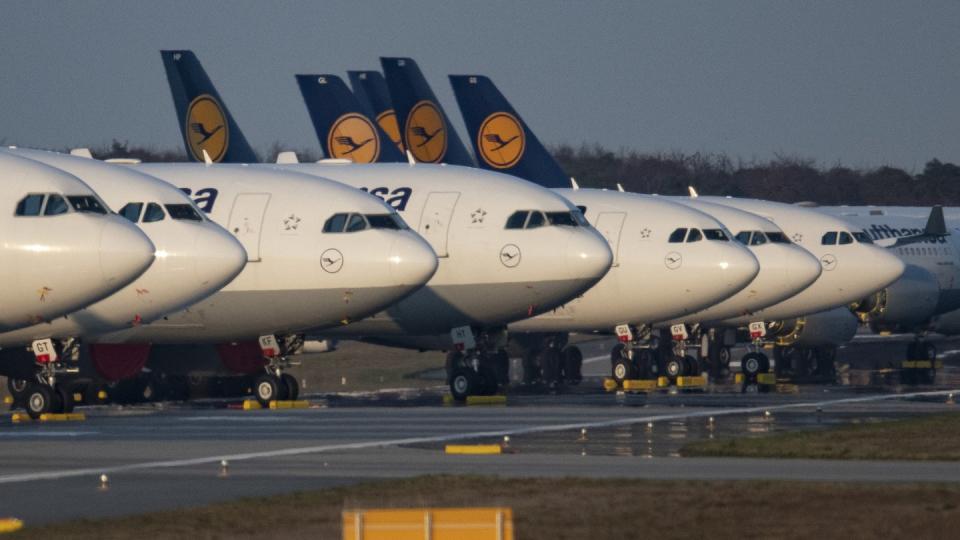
column 435, row 221
column 610, row 224
column 246, row 221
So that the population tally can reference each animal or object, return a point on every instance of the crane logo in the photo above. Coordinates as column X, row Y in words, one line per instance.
column 673, row 260
column 331, row 260
column 388, row 123
column 828, row 261
column 207, row 128
column 510, row 255
column 353, row 137
column 425, row 133
column 501, row 140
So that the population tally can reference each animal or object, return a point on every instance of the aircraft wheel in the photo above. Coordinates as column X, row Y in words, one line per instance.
column 488, row 380
column 572, row 364
column 531, row 372
column 453, row 361
column 623, row 370
column 674, row 367
column 463, row 383
column 289, row 382
column 929, row 351
column 550, row 366
column 65, row 399
column 753, row 363
column 39, row 400
column 266, row 388
column 691, row 365
column 501, row 364
column 725, row 356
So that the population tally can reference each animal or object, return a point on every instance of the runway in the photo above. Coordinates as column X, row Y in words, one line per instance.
column 164, row 458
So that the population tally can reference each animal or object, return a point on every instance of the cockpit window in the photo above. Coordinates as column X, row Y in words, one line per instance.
column 862, row 237
column 715, row 234
column 335, row 223
column 581, row 216
column 777, row 237
column 30, row 205
column 694, row 235
column 829, row 239
column 677, row 236
column 356, row 223
column 845, row 238
column 132, row 211
column 183, row 211
column 56, row 205
column 536, row 220
column 385, row 221
column 86, row 203
column 563, row 219
column 743, row 237
column 153, row 213
column 517, row 220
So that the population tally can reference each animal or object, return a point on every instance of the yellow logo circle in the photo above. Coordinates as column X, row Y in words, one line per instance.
column 388, row 123
column 501, row 140
column 426, row 133
column 353, row 137
column 207, row 128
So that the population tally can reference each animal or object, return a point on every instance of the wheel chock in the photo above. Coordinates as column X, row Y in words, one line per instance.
column 694, row 381
column 8, row 400
column 787, row 388
column 767, row 378
column 9, row 525
column 477, row 400
column 922, row 364
column 640, row 385
column 474, row 449
column 22, row 417
column 663, row 382
column 251, row 405
column 738, row 378
column 287, row 404
column 610, row 385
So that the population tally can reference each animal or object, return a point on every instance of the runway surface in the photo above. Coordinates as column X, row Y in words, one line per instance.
column 170, row 457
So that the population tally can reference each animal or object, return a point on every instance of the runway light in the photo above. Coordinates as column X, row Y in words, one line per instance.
column 766, row 414
column 649, row 425
column 506, row 440
column 224, row 465
column 583, row 434
column 104, row 482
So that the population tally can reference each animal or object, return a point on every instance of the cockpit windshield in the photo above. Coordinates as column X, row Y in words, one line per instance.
column 531, row 219
column 339, row 223
column 86, row 203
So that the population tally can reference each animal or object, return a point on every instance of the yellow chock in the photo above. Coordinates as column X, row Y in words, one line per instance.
column 62, row 417
column 9, row 525
column 474, row 449
column 738, row 378
column 783, row 388
column 640, row 384
column 695, row 381
column 8, row 400
column 663, row 382
column 102, row 394
column 610, row 385
column 20, row 417
column 766, row 378
column 77, row 397
column 251, row 405
column 477, row 400
column 300, row 404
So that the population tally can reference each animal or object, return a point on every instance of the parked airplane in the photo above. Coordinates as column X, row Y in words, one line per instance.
column 489, row 274
column 60, row 247
column 195, row 258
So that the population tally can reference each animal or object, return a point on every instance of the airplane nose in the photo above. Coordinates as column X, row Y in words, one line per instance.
column 125, row 251
column 737, row 267
column 588, row 255
column 218, row 256
column 802, row 268
column 412, row 260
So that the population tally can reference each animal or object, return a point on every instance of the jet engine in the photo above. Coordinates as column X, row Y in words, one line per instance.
column 825, row 329
column 905, row 304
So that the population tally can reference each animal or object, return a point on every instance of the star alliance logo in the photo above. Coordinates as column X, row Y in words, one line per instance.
column 645, row 233
column 477, row 215
column 797, row 238
column 291, row 223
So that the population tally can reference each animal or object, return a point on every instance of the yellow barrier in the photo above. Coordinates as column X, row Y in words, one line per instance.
column 473, row 449
column 9, row 525
column 254, row 405
column 477, row 400
column 922, row 364
column 19, row 417
column 429, row 524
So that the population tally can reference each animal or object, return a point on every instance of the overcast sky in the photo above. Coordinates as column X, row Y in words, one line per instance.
column 860, row 83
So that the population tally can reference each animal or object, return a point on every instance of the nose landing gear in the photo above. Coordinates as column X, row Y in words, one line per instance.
column 44, row 393
column 479, row 365
column 274, row 384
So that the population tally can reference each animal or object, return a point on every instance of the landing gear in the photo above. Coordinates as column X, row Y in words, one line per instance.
column 920, row 366
column 753, row 364
column 819, row 362
column 39, row 400
column 275, row 385
column 479, row 370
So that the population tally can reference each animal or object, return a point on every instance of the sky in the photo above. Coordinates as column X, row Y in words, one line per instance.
column 858, row 83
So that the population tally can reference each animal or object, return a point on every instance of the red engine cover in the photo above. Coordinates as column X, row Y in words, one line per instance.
column 242, row 357
column 116, row 361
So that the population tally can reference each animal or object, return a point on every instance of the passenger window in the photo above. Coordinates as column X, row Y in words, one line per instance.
column 56, row 205
column 715, row 234
column 335, row 224
column 517, row 220
column 743, row 237
column 132, row 211
column 30, row 205
column 829, row 239
column 677, row 236
column 694, row 236
column 153, row 213
column 183, row 211
column 845, row 238
column 86, row 203
column 536, row 220
column 356, row 223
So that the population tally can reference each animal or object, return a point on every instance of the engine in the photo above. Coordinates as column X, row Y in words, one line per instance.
column 947, row 324
column 825, row 329
column 908, row 302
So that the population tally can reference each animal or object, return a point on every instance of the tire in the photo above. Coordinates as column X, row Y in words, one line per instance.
column 692, row 366
column 644, row 364
column 572, row 364
column 463, row 383
column 266, row 388
column 550, row 366
column 502, row 366
column 623, row 370
column 38, row 400
column 292, row 386
column 17, row 388
column 531, row 372
column 929, row 351
column 752, row 364
column 65, row 396
column 453, row 361
column 488, row 380
column 674, row 367
column 725, row 356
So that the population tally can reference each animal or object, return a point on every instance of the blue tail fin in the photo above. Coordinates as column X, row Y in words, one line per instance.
column 342, row 125
column 502, row 140
column 205, row 122
column 371, row 90
column 425, row 127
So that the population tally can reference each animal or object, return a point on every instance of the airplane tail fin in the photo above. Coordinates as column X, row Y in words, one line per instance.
column 936, row 228
column 342, row 125
column 424, row 126
column 205, row 122
column 371, row 90
column 501, row 139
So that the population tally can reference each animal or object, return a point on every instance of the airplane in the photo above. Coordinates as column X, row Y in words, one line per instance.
column 194, row 258
column 488, row 275
column 61, row 248
column 372, row 93
column 487, row 112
